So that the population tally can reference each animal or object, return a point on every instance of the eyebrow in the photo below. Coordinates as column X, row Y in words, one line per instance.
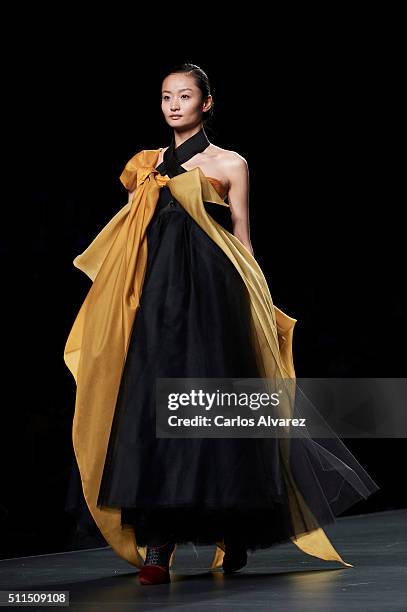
column 183, row 89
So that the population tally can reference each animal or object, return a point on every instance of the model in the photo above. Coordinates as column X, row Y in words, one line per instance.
column 175, row 294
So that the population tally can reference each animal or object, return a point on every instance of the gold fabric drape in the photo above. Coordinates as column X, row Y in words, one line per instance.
column 96, row 347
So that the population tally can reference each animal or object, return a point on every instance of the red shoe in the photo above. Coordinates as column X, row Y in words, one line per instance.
column 156, row 565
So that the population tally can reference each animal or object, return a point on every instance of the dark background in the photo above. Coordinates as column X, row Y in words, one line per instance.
column 318, row 121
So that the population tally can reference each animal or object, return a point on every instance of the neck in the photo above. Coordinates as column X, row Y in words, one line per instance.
column 180, row 137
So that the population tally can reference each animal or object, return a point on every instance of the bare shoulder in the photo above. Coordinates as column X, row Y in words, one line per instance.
column 230, row 161
column 231, row 167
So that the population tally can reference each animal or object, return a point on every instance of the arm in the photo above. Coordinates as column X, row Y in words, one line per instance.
column 238, row 198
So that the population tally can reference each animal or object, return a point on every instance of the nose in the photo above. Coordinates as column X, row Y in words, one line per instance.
column 174, row 106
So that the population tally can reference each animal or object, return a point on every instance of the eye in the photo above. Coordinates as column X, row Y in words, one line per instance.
column 183, row 96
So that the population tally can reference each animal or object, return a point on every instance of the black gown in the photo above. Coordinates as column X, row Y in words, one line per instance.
column 193, row 321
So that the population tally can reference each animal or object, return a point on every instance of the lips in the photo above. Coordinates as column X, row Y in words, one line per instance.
column 175, row 116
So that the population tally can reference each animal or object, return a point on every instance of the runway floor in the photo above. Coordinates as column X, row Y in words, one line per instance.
column 281, row 578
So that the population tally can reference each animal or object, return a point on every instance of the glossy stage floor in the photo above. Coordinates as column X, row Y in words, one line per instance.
column 279, row 578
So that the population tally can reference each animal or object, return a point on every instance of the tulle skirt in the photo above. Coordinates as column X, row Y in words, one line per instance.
column 194, row 321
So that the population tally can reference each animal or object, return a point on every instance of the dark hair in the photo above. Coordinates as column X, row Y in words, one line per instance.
column 201, row 80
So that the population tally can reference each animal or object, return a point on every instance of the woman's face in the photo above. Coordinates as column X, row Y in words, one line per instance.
column 181, row 96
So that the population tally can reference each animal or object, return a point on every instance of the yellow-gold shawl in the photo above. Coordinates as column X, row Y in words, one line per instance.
column 96, row 347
